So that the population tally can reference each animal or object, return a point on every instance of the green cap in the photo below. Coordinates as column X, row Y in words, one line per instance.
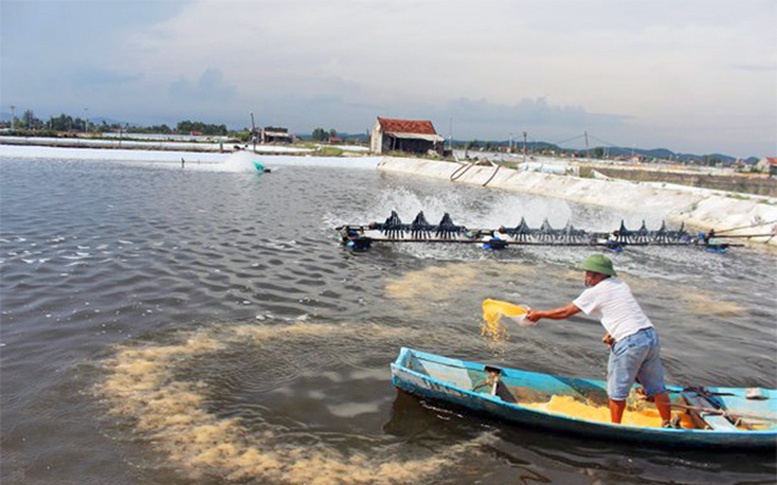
column 598, row 263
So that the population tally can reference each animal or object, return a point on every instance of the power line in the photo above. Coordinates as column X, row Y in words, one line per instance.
column 605, row 142
column 570, row 139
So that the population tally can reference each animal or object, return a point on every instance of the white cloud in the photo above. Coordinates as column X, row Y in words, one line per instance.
column 677, row 69
column 209, row 88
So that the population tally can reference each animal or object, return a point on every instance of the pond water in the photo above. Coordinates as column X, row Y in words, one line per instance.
column 203, row 325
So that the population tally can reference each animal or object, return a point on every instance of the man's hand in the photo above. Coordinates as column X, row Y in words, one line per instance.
column 608, row 340
column 533, row 316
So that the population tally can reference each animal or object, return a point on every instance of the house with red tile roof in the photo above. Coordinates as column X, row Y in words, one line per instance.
column 768, row 165
column 413, row 136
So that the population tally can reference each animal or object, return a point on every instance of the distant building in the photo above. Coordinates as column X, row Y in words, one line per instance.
column 768, row 165
column 271, row 134
column 413, row 136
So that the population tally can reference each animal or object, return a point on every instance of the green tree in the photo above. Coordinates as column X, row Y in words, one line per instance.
column 319, row 134
column 198, row 126
column 30, row 122
column 62, row 122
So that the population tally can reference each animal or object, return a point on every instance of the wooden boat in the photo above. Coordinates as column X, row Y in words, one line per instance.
column 711, row 417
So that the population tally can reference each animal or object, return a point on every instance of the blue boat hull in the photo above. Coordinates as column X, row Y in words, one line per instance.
column 465, row 384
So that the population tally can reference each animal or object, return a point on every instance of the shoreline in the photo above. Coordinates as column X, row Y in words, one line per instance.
column 697, row 208
column 149, row 145
column 702, row 209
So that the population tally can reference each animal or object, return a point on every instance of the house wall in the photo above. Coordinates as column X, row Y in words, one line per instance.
column 376, row 139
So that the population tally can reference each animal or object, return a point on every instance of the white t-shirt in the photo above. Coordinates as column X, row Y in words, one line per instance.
column 611, row 302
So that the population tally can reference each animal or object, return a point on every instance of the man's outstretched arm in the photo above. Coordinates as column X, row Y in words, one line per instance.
column 559, row 313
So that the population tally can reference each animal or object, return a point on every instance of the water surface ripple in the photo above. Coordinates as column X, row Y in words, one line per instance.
column 172, row 326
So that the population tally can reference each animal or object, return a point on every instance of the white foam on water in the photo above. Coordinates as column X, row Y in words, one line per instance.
column 509, row 209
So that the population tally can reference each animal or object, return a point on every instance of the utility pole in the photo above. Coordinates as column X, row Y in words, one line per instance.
column 524, row 147
column 13, row 118
column 450, row 134
column 587, row 154
column 86, row 123
column 253, row 131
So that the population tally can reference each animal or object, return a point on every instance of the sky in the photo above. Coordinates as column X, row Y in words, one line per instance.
column 691, row 76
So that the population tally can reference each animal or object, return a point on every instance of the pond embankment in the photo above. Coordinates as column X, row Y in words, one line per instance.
column 757, row 184
column 700, row 209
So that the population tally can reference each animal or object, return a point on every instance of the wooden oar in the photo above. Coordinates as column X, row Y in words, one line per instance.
column 742, row 235
column 722, row 412
column 746, row 227
column 699, row 390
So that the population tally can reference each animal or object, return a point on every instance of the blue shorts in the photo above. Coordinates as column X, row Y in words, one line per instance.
column 635, row 358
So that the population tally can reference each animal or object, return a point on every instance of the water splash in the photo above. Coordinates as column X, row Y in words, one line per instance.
column 240, row 162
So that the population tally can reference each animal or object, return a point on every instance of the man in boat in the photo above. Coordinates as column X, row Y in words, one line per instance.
column 496, row 239
column 635, row 350
column 708, row 237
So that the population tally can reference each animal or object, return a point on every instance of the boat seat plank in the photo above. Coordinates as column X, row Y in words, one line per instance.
column 458, row 376
column 714, row 421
